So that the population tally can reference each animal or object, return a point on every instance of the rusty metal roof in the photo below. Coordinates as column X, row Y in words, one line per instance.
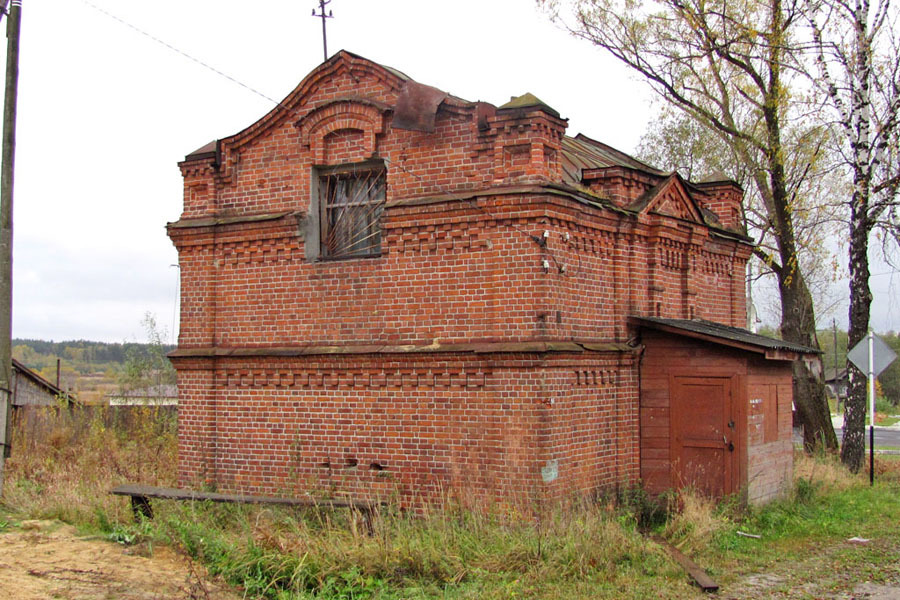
column 417, row 107
column 716, row 332
column 581, row 152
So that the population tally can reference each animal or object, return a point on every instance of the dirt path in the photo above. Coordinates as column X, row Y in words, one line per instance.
column 47, row 559
column 840, row 571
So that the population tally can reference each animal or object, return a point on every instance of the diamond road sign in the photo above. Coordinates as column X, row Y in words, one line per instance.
column 859, row 356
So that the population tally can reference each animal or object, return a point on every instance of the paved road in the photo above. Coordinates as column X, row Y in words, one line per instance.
column 883, row 437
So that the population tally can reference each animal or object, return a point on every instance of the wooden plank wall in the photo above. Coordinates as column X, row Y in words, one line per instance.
column 763, row 394
column 666, row 355
column 770, row 456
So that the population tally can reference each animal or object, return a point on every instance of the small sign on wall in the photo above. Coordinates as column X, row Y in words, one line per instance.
column 550, row 472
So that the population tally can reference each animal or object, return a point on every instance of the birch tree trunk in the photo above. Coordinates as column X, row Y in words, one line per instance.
column 856, row 50
column 853, row 445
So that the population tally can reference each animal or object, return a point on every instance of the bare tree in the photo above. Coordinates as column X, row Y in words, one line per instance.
column 856, row 49
column 725, row 65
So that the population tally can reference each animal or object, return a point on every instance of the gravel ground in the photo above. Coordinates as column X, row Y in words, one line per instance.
column 47, row 559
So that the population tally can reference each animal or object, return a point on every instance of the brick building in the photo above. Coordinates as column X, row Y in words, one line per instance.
column 387, row 289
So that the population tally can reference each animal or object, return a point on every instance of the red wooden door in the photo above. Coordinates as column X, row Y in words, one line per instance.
column 703, row 434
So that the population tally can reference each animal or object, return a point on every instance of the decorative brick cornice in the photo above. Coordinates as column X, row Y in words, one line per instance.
column 351, row 378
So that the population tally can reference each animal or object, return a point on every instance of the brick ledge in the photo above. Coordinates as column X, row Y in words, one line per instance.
column 477, row 348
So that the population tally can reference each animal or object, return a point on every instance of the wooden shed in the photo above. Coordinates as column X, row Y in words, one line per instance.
column 715, row 409
column 30, row 389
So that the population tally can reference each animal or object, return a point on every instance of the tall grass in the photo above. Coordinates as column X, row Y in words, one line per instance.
column 279, row 553
column 65, row 460
column 695, row 520
column 823, row 472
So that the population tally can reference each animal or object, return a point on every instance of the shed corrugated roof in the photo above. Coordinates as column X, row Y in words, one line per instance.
column 725, row 333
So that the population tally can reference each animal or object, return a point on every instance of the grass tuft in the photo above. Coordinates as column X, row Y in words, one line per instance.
column 822, row 472
column 695, row 523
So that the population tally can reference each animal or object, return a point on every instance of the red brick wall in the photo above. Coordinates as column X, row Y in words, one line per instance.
column 464, row 259
column 375, row 426
column 451, row 272
column 593, row 414
column 196, row 422
column 724, row 199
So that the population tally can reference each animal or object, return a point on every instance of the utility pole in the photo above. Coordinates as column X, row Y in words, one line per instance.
column 13, row 25
column 323, row 16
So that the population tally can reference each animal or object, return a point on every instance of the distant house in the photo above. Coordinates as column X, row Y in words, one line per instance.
column 154, row 395
column 836, row 382
column 30, row 389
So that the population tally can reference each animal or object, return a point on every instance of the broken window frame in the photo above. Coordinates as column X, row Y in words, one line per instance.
column 351, row 202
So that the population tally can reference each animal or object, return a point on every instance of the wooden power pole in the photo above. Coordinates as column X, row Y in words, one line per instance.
column 13, row 25
column 323, row 16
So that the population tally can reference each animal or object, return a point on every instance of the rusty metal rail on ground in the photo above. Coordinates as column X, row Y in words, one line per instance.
column 142, row 494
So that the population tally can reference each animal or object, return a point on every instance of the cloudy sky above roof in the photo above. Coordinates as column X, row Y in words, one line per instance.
column 106, row 112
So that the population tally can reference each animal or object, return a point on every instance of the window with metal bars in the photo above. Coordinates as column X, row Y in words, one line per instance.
column 351, row 200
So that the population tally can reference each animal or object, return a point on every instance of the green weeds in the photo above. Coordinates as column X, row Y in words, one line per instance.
column 827, row 507
column 452, row 553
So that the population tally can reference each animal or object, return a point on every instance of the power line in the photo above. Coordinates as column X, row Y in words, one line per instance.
column 540, row 241
column 181, row 52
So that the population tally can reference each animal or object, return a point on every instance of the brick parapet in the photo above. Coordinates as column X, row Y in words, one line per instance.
column 623, row 186
column 725, row 199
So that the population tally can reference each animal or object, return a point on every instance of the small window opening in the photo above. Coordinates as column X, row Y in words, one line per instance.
column 351, row 204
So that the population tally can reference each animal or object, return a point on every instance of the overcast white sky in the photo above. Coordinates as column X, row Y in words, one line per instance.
column 105, row 113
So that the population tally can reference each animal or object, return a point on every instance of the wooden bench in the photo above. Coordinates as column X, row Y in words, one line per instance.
column 141, row 495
